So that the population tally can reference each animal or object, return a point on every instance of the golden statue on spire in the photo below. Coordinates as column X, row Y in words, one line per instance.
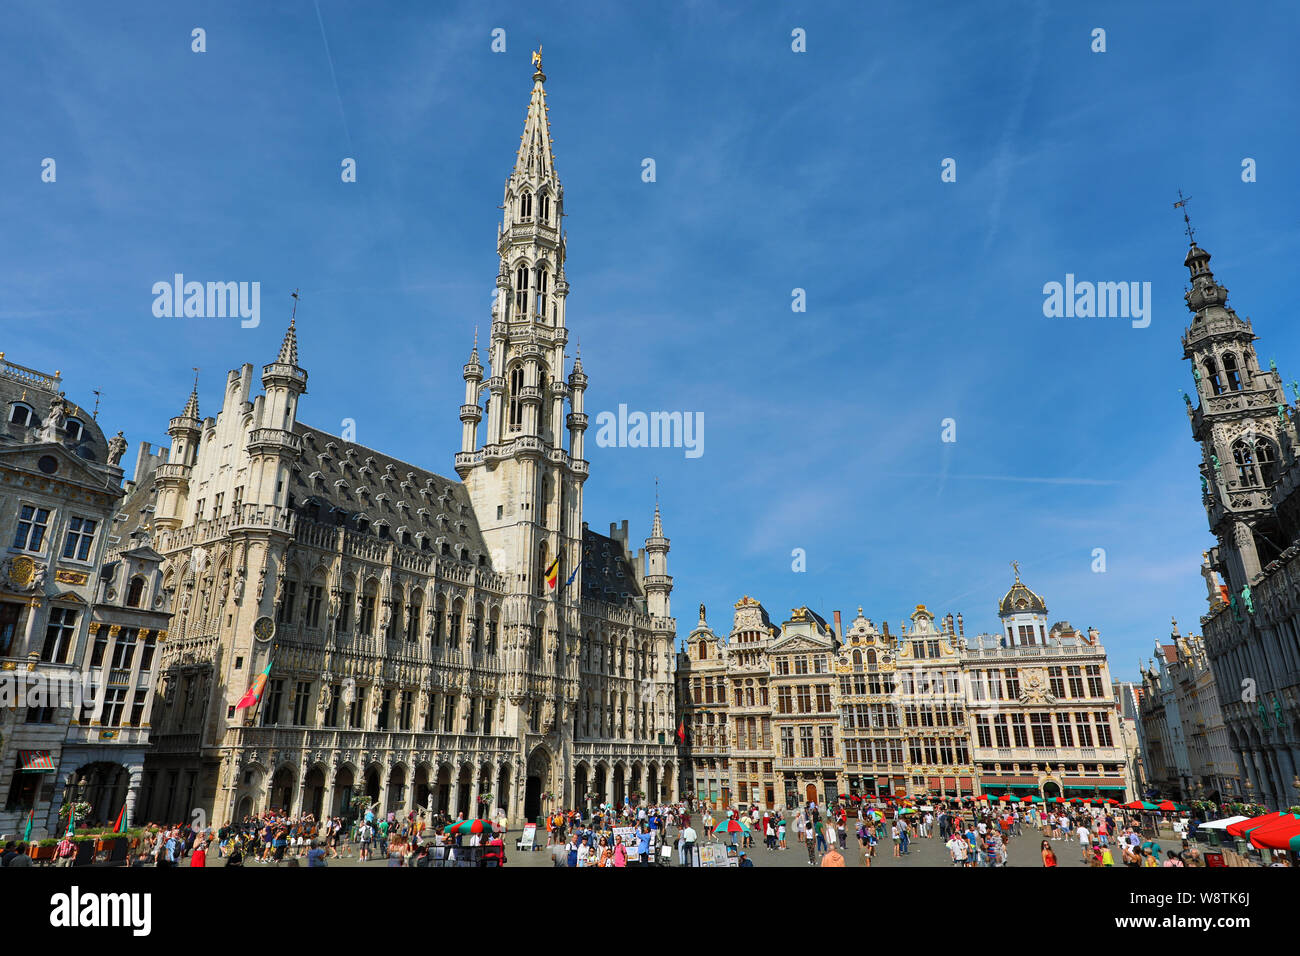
column 537, row 58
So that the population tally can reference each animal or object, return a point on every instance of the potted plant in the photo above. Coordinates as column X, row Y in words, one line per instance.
column 43, row 851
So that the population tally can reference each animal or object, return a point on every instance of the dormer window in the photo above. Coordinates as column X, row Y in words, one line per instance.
column 135, row 592
column 21, row 413
column 74, row 429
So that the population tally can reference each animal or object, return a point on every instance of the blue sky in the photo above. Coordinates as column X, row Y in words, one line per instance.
column 775, row 170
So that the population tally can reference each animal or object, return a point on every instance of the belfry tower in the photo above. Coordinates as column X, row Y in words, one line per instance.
column 1244, row 425
column 524, row 483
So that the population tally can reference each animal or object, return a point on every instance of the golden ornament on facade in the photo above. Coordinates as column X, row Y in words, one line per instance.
column 21, row 571
column 71, row 577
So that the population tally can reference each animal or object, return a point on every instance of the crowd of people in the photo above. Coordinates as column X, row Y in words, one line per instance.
column 975, row 834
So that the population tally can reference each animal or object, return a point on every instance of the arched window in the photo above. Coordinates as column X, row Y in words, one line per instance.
column 704, row 650
column 21, row 414
column 871, row 658
column 526, row 205
column 1244, row 456
column 457, row 616
column 439, row 613
column 414, row 613
column 516, row 407
column 494, row 630
column 73, row 429
column 1266, row 459
column 1212, row 375
column 538, row 630
column 857, row 659
column 544, row 207
column 1230, row 371
column 540, row 298
column 521, row 291
column 543, row 563
column 135, row 592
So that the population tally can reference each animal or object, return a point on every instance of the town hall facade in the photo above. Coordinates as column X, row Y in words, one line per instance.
column 461, row 644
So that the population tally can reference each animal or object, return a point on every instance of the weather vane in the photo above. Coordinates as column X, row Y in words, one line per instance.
column 294, row 314
column 1182, row 204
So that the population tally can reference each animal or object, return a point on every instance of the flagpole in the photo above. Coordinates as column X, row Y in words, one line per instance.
column 257, row 708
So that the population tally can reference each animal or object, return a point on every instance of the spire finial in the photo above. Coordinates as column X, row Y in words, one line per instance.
column 1015, row 565
column 537, row 60
column 1182, row 204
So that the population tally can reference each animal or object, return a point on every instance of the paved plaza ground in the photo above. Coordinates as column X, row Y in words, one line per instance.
column 1023, row 852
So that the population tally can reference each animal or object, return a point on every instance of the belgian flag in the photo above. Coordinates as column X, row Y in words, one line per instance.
column 553, row 573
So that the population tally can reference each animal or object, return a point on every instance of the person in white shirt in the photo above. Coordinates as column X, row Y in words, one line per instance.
column 689, row 836
column 1085, row 838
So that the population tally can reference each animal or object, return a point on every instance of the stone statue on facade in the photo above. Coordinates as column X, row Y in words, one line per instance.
column 52, row 426
column 116, row 449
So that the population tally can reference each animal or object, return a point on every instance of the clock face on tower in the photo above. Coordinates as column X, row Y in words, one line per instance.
column 263, row 628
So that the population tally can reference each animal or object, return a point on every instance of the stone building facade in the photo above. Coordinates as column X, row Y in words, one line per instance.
column 805, row 712
column 1249, row 480
column 1189, row 757
column 870, row 724
column 725, row 710
column 750, row 647
column 925, row 712
column 432, row 642
column 932, row 702
column 1044, row 718
column 60, row 485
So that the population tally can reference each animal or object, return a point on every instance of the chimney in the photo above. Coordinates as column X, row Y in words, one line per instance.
column 839, row 633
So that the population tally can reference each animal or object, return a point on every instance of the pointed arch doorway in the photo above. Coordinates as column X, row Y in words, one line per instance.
column 539, row 775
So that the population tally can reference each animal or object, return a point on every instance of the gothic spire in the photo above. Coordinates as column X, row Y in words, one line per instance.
column 536, row 158
column 289, row 347
column 192, row 406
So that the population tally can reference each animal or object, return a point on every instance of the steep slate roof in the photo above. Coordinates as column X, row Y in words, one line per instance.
column 606, row 571
column 398, row 494
column 19, row 384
